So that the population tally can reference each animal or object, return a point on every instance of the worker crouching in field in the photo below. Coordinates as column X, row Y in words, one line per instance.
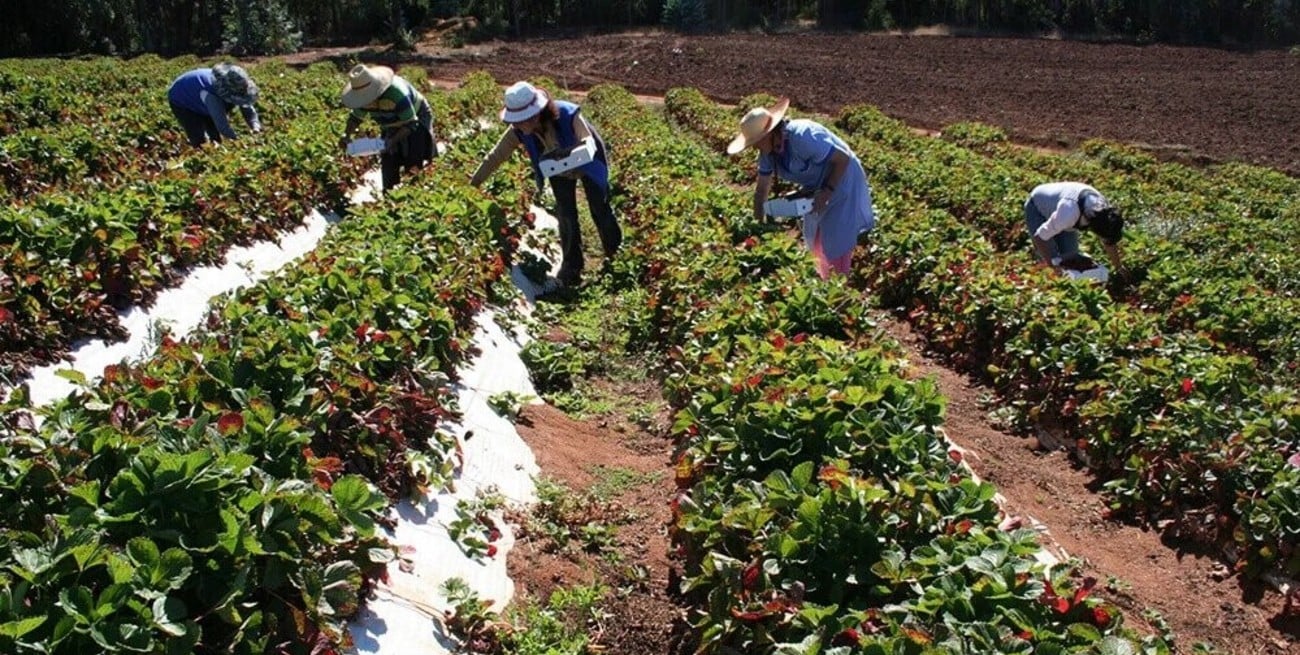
column 543, row 125
column 403, row 115
column 1054, row 214
column 806, row 153
column 201, row 98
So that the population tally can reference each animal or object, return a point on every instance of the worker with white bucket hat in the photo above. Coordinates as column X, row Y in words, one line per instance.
column 806, row 153
column 403, row 115
column 543, row 125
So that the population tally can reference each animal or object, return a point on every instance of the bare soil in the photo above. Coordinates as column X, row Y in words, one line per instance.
column 1192, row 104
column 644, row 615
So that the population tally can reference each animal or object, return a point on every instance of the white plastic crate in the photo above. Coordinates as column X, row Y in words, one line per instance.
column 556, row 162
column 365, row 147
column 1098, row 273
column 788, row 206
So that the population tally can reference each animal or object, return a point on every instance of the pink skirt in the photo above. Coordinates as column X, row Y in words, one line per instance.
column 842, row 264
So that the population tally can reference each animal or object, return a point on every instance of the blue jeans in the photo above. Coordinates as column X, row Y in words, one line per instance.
column 1063, row 245
column 566, row 212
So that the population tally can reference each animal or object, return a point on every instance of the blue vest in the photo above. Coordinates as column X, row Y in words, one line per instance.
column 597, row 170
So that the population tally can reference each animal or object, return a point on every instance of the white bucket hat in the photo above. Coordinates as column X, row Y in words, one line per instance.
column 365, row 84
column 523, row 101
column 756, row 125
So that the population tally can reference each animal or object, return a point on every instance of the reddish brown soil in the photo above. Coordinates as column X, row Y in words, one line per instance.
column 644, row 617
column 1191, row 103
column 1195, row 593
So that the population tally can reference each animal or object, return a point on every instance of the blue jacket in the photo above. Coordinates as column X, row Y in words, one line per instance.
column 196, row 91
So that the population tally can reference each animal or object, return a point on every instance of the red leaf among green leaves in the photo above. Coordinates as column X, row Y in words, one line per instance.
column 230, row 423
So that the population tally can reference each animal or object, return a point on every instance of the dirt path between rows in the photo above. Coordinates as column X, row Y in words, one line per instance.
column 643, row 614
column 1161, row 587
column 1195, row 594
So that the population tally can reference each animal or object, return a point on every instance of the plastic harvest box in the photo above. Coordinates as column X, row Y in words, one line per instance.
column 560, row 160
column 790, row 205
column 1098, row 273
column 364, row 147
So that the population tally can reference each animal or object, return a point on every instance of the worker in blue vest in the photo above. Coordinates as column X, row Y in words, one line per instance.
column 541, row 124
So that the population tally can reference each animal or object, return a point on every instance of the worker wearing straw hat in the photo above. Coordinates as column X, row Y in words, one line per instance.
column 541, row 124
column 201, row 98
column 808, row 154
column 404, row 117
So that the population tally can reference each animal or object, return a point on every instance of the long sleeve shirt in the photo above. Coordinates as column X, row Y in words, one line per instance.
column 509, row 141
column 196, row 91
column 1059, row 202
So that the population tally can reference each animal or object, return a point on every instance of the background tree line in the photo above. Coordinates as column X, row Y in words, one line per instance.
column 170, row 27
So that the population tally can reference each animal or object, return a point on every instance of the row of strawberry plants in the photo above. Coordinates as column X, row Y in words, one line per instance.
column 86, row 122
column 76, row 259
column 1221, row 298
column 223, row 495
column 1151, row 403
column 821, row 509
column 43, row 92
column 137, row 137
column 1237, row 283
column 1148, row 402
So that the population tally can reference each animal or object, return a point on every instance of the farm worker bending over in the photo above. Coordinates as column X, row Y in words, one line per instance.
column 201, row 98
column 404, row 117
column 1054, row 214
column 806, row 153
column 541, row 124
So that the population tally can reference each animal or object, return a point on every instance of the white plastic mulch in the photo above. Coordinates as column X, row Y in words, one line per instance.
column 180, row 308
column 405, row 614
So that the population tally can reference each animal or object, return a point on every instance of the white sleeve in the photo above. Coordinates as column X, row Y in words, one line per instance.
column 1064, row 218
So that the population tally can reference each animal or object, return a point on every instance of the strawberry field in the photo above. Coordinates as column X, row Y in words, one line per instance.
column 228, row 492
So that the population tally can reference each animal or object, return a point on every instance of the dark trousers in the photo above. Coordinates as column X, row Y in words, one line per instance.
column 566, row 212
column 198, row 127
column 414, row 152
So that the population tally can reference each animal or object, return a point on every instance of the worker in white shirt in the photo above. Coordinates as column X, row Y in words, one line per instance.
column 1056, row 212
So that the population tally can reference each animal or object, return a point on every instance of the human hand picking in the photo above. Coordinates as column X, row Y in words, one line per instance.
column 821, row 200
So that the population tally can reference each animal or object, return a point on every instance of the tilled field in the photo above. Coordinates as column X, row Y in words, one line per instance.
column 1197, row 104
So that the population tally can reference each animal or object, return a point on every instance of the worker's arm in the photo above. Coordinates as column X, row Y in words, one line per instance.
column 1112, row 254
column 500, row 153
column 762, row 188
column 352, row 125
column 838, row 163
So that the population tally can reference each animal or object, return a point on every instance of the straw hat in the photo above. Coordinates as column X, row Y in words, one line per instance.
column 234, row 85
column 523, row 101
column 365, row 84
column 756, row 125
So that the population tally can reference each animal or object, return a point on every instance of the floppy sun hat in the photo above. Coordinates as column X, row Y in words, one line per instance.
column 757, row 124
column 523, row 101
column 365, row 85
column 234, row 85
